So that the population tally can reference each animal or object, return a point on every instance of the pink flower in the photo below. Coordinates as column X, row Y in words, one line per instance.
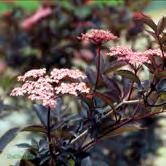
column 40, row 90
column 49, row 103
column 98, row 36
column 72, row 88
column 59, row 74
column 34, row 73
column 120, row 51
column 38, row 86
column 32, row 20
column 126, row 54
column 17, row 92
column 136, row 58
column 154, row 52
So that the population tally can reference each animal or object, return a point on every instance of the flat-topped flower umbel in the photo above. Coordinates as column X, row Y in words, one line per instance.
column 72, row 88
column 60, row 74
column 98, row 36
column 46, row 88
column 34, row 73
column 134, row 58
column 154, row 52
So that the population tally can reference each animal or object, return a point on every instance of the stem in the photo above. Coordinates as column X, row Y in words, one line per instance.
column 161, row 48
column 130, row 91
column 49, row 132
column 98, row 68
column 90, row 144
column 97, row 78
column 136, row 118
column 106, row 115
column 124, row 122
column 156, row 105
column 132, row 84
column 80, row 136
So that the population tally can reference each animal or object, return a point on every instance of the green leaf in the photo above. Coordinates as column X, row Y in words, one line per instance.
column 8, row 137
column 128, row 74
column 35, row 128
column 163, row 95
column 71, row 162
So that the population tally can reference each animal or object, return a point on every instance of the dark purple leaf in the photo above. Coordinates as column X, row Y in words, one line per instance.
column 24, row 145
column 147, row 20
column 90, row 74
column 35, row 128
column 105, row 98
column 128, row 74
column 8, row 137
column 115, row 65
column 161, row 25
column 161, row 86
column 41, row 112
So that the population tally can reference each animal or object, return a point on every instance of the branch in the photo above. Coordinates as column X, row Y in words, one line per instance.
column 125, row 121
column 78, row 137
column 106, row 115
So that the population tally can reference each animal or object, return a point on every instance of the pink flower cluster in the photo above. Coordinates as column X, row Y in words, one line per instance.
column 46, row 88
column 121, row 51
column 34, row 73
column 32, row 20
column 59, row 74
column 72, row 88
column 154, row 52
column 134, row 58
column 98, row 36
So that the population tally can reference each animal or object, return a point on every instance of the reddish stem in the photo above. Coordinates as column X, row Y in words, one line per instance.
column 98, row 68
column 130, row 91
column 124, row 122
column 49, row 131
column 131, row 88
column 161, row 48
